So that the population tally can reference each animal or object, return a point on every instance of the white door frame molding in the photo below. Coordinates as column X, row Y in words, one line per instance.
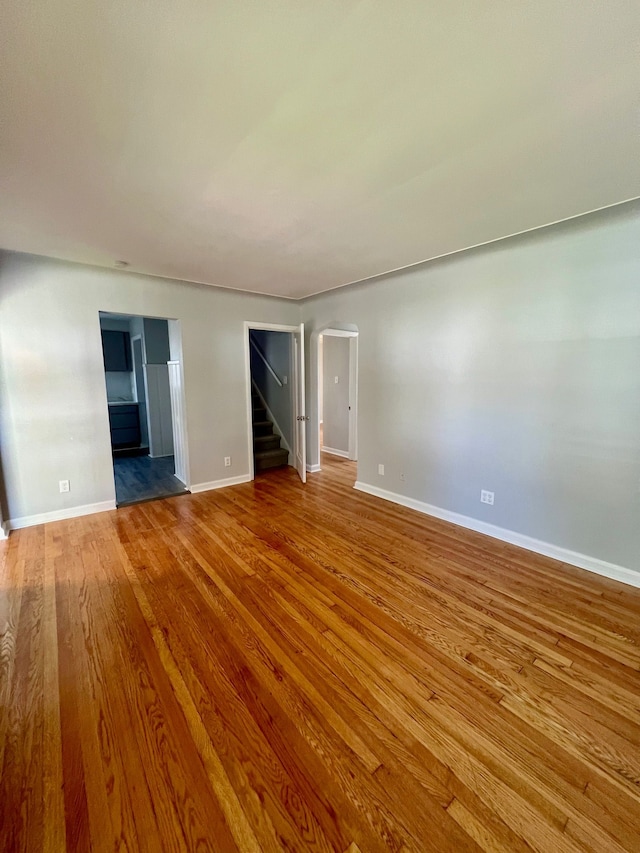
column 264, row 327
column 353, row 334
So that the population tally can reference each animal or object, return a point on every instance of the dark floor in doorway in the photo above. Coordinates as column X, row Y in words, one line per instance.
column 141, row 478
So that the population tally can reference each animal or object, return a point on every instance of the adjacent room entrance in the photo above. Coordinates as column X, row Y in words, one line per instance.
column 338, row 393
column 145, row 406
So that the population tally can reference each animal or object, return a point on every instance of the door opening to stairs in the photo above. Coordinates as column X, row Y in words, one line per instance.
column 275, row 363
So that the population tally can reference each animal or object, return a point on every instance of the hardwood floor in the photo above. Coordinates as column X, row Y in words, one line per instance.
column 277, row 667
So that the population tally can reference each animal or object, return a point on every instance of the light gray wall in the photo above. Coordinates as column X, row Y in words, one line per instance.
column 53, row 406
column 276, row 346
column 515, row 368
column 335, row 397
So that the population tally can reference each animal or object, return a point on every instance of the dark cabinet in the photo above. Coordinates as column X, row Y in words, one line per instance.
column 124, row 422
column 116, row 351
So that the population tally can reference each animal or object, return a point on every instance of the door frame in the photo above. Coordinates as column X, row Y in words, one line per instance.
column 293, row 374
column 353, row 390
column 176, row 357
column 140, row 338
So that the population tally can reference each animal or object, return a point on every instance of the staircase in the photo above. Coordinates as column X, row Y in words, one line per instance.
column 267, row 452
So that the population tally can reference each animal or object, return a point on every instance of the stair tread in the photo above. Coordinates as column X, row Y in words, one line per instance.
column 271, row 454
column 262, row 423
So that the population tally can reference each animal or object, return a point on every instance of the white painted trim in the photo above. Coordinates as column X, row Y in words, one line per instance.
column 353, row 398
column 249, row 404
column 313, row 469
column 220, row 484
column 339, row 333
column 270, row 327
column 267, row 327
column 431, row 258
column 4, row 531
column 556, row 552
column 314, row 351
column 265, row 361
column 334, row 452
column 60, row 514
column 300, row 404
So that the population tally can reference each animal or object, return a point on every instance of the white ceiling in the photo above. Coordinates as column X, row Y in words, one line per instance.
column 291, row 147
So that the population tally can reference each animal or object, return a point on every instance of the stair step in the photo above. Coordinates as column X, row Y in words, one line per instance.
column 265, row 459
column 259, row 413
column 266, row 442
column 262, row 428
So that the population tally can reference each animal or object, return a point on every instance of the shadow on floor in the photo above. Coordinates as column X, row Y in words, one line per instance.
column 141, row 478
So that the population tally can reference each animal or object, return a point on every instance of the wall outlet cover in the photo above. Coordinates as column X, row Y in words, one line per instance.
column 64, row 486
column 227, row 462
column 381, row 470
column 486, row 497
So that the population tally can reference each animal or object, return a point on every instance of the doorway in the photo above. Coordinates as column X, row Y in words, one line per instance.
column 276, row 420
column 143, row 378
column 337, row 394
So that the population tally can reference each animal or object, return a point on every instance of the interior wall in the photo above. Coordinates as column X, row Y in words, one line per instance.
column 276, row 347
column 335, row 396
column 53, row 404
column 514, row 368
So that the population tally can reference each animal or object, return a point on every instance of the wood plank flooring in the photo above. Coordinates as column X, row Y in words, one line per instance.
column 276, row 667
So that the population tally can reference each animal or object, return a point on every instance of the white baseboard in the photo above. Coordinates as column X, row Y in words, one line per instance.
column 4, row 531
column 582, row 561
column 313, row 469
column 343, row 453
column 60, row 514
column 220, row 484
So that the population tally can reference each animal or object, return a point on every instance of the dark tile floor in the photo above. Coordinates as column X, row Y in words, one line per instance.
column 140, row 478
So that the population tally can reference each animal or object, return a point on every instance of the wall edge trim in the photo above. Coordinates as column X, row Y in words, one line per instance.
column 556, row 552
column 60, row 514
column 220, row 484
column 334, row 452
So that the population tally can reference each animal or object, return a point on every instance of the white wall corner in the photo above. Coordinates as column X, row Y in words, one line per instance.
column 60, row 514
column 220, row 484
column 556, row 552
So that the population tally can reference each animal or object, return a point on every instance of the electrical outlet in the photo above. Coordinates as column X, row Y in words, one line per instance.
column 402, row 476
column 227, row 462
column 285, row 380
column 381, row 470
column 335, row 379
column 486, row 497
column 64, row 486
